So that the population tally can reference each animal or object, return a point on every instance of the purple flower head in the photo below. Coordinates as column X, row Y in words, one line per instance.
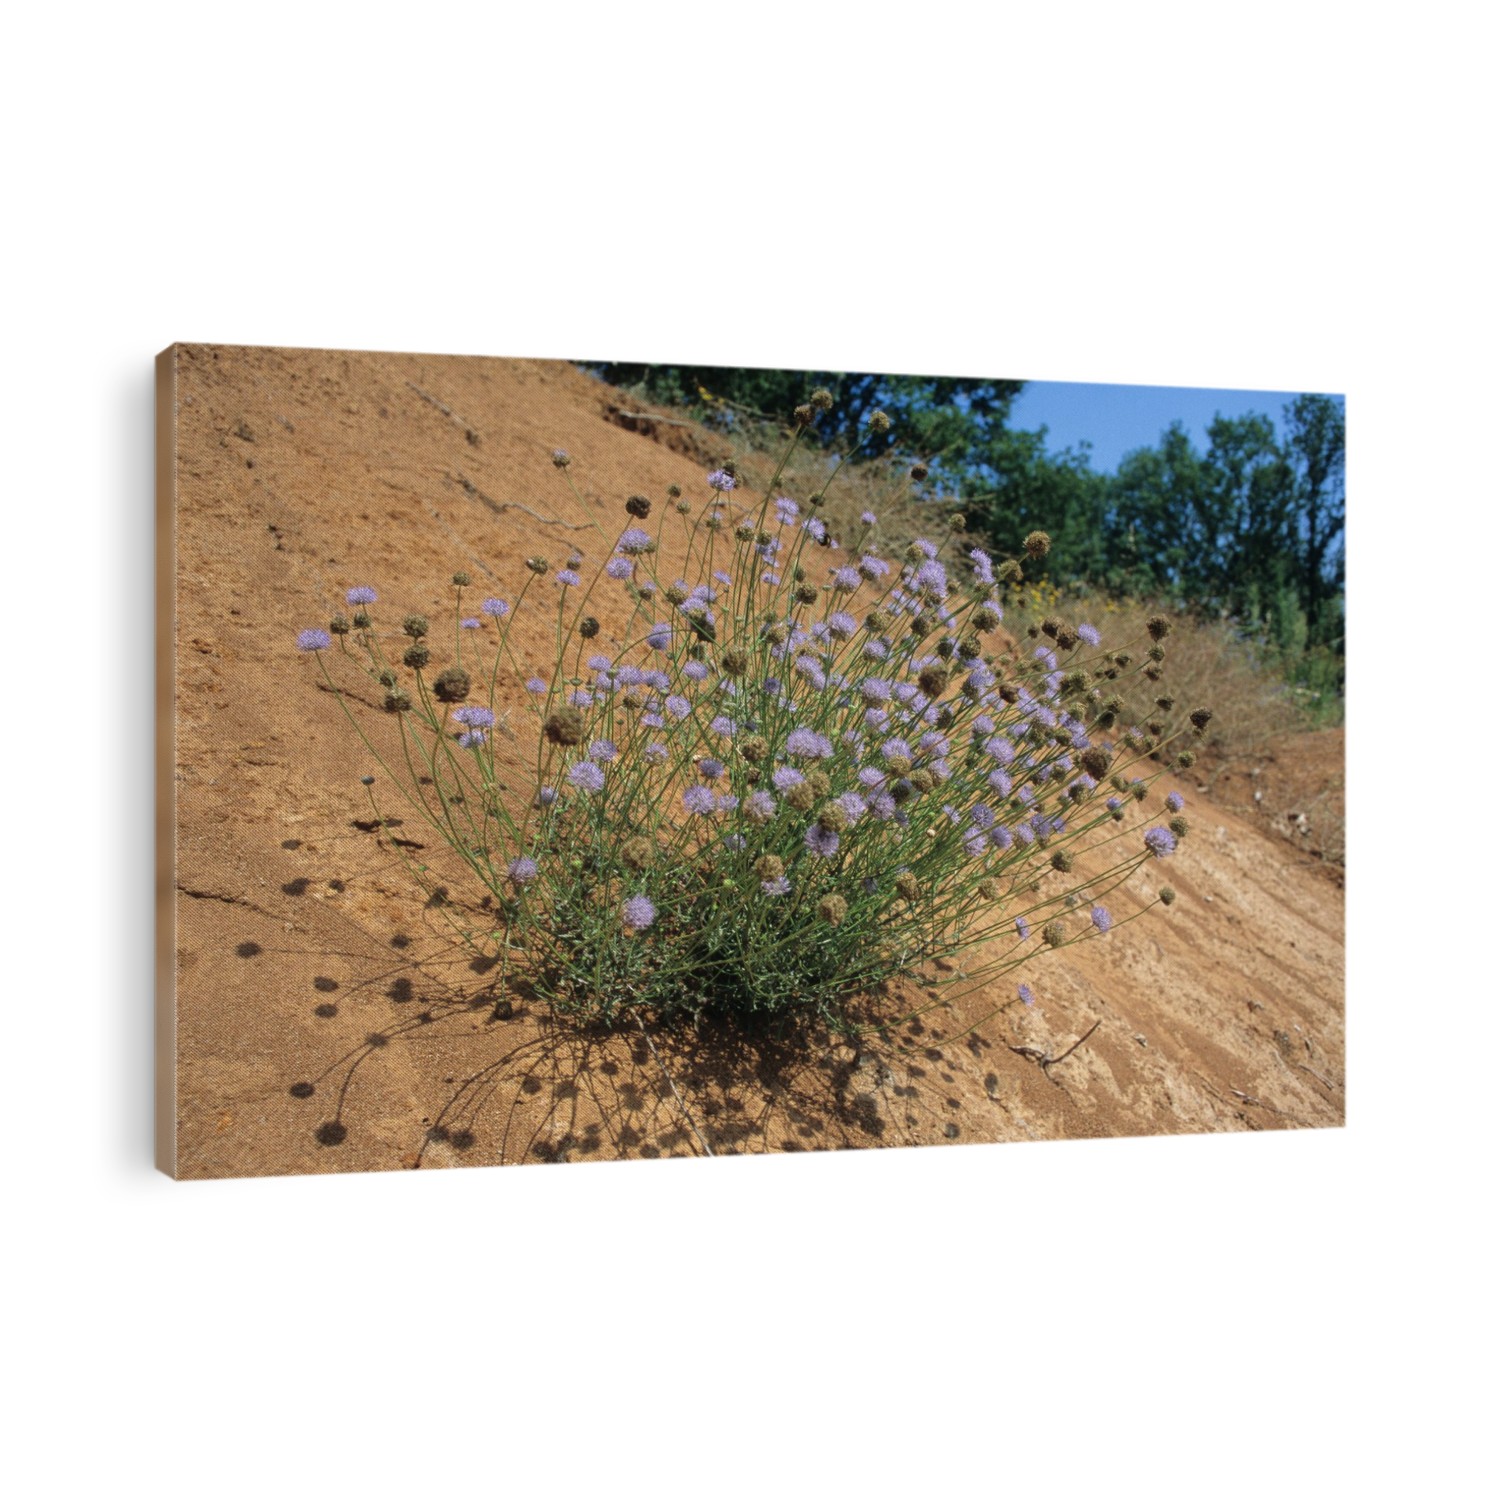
column 815, row 528
column 1024, row 991
column 633, row 541
column 883, row 806
column 1023, row 928
column 361, row 595
column 471, row 739
column 728, row 802
column 521, row 871
column 1112, row 803
column 778, row 887
column 894, row 747
column 975, row 844
column 475, row 717
column 1160, row 841
column 1088, row 634
column 823, row 842
column 873, row 568
column 659, row 638
column 841, row 625
column 710, row 769
column 931, row 576
column 984, row 817
column 809, row 668
column 925, row 547
column 1101, row 918
column 868, row 517
column 535, row 685
column 618, row 568
column 984, row 568
column 723, row 725
column 696, row 670
column 586, row 776
column 496, row 607
column 760, row 807
column 808, row 744
column 983, row 724
column 654, row 753
column 787, row 510
column 1000, row 837
column 314, row 640
column 784, row 778
column 546, row 796
column 599, row 663
column 638, row 913
column 871, row 777
column 698, row 799
column 1174, row 802
column 846, row 579
column 720, row 479
column 603, row 751
column 568, row 578
column 876, row 650
column 470, row 624
column 678, row 706
column 853, row 804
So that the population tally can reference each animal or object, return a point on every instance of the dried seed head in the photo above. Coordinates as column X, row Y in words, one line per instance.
column 1156, row 653
column 821, row 400
column 1038, row 544
column 1067, row 637
column 1179, row 826
column 753, row 748
column 1053, row 935
column 769, row 867
column 933, row 680
column 735, row 661
column 451, row 686
column 1167, row 894
column 986, row 617
column 776, row 634
column 638, row 506
column 1186, row 759
column 989, row 889
column 397, row 701
column 802, row 415
column 416, row 656
column 588, row 627
column 805, row 593
column 461, row 580
column 1165, row 703
column 338, row 625
column 635, row 854
column 1200, row 717
column 957, row 521
column 880, row 424
column 676, row 594
column 832, row 817
column 1062, row 860
column 1158, row 627
column 537, row 565
column 946, row 647
column 1095, row 761
column 898, row 765
column 918, row 471
column 800, row 798
column 818, row 780
column 564, row 726
column 415, row 626
column 362, row 619
column 923, row 780
column 674, row 491
column 908, row 886
column 1010, row 571
column 833, row 909
column 386, row 678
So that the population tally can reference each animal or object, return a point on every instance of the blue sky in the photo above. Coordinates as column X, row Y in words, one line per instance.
column 1117, row 418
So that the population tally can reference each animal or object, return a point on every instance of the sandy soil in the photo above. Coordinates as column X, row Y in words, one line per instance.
column 325, row 1022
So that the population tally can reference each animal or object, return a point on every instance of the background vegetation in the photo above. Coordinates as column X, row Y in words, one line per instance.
column 1248, row 531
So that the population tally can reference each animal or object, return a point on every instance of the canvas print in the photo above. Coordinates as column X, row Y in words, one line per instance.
column 574, row 760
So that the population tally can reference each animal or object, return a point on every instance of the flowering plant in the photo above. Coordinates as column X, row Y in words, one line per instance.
column 804, row 770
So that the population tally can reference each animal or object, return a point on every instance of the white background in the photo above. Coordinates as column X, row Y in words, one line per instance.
column 1265, row 195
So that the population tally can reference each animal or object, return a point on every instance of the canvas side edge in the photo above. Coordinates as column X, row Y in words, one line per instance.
column 166, row 761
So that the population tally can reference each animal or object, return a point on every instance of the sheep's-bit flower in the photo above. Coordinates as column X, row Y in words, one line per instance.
column 560, row 458
column 1174, row 802
column 721, row 479
column 1160, row 842
column 364, row 594
column 1024, row 992
column 314, row 640
column 1101, row 918
column 833, row 909
column 1038, row 544
column 564, row 726
column 496, row 607
column 638, row 913
column 521, row 871
column 586, row 776
column 451, row 686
